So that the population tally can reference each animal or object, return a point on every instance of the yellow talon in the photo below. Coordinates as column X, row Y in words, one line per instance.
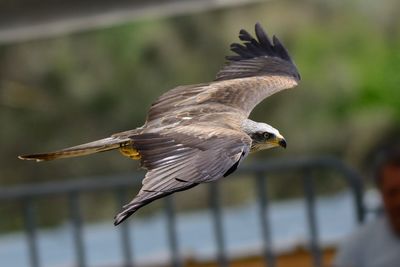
column 129, row 151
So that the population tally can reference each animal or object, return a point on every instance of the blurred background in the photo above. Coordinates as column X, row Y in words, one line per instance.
column 79, row 71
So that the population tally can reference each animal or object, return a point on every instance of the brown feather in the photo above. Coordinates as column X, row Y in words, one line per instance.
column 101, row 145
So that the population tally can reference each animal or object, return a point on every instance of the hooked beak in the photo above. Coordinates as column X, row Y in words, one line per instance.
column 282, row 142
column 277, row 141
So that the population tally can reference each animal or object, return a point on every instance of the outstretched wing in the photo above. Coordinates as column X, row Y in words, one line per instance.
column 182, row 159
column 258, row 57
column 260, row 69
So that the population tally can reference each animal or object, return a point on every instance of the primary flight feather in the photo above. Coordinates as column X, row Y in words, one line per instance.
column 199, row 133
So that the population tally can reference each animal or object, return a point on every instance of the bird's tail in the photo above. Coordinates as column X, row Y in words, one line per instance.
column 110, row 143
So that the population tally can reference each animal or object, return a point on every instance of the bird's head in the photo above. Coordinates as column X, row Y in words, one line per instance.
column 263, row 136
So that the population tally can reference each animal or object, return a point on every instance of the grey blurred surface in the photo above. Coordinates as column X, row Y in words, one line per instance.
column 23, row 20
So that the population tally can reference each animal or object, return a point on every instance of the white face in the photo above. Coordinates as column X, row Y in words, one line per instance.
column 268, row 128
column 265, row 136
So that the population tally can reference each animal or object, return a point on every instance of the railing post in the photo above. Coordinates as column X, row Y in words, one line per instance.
column 261, row 187
column 356, row 185
column 30, row 228
column 124, row 230
column 172, row 233
column 358, row 202
column 309, row 191
column 218, row 226
column 76, row 219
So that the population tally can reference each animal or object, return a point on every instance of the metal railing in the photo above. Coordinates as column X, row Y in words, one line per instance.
column 73, row 189
column 19, row 23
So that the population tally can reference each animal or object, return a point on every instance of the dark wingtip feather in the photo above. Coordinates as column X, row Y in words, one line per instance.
column 260, row 53
column 136, row 204
column 244, row 35
column 263, row 37
column 262, row 46
column 122, row 216
column 280, row 48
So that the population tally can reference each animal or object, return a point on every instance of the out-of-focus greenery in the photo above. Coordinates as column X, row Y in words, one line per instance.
column 80, row 87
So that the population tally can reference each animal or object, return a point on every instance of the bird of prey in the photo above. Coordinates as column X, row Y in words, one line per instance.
column 200, row 133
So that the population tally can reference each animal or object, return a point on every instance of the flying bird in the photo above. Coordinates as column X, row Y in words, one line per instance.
column 200, row 133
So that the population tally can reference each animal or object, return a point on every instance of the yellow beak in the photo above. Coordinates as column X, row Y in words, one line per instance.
column 279, row 141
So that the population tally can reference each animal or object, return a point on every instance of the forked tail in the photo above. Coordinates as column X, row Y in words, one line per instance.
column 101, row 145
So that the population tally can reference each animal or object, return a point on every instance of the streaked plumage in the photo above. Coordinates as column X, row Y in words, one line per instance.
column 199, row 133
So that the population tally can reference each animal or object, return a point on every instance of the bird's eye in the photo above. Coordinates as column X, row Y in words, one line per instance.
column 267, row 135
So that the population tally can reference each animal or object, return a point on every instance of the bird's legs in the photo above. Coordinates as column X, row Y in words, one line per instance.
column 128, row 150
